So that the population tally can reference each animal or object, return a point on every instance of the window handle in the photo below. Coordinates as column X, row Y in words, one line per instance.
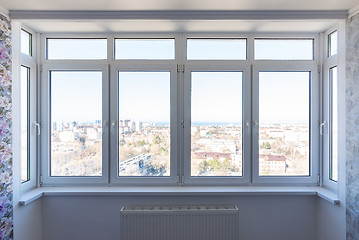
column 113, row 126
column 37, row 125
column 248, row 127
column 105, row 126
column 321, row 128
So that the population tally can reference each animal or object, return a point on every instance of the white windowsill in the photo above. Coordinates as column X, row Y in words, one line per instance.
column 37, row 193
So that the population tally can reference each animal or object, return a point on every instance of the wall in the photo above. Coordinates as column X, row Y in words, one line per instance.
column 352, row 126
column 6, row 180
column 330, row 221
column 28, row 221
column 261, row 217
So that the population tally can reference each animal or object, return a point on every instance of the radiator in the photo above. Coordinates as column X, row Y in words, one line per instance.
column 179, row 223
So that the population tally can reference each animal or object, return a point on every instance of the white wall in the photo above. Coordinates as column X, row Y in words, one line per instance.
column 28, row 221
column 261, row 217
column 330, row 221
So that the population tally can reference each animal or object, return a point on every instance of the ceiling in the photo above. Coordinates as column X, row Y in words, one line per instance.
column 177, row 25
column 133, row 26
column 125, row 5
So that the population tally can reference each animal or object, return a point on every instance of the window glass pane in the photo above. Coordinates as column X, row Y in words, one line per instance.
column 144, row 123
column 283, row 49
column 76, row 129
column 26, row 42
column 334, row 121
column 216, row 128
column 77, row 48
column 216, row 49
column 150, row 49
column 284, row 114
column 333, row 43
column 24, row 93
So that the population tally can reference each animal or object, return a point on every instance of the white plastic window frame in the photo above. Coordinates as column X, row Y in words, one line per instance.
column 30, row 63
column 46, row 65
column 283, row 37
column 329, row 62
column 145, row 65
column 314, row 88
column 180, row 173
column 114, row 165
column 287, row 65
column 214, row 66
column 185, row 102
column 47, row 179
column 246, row 85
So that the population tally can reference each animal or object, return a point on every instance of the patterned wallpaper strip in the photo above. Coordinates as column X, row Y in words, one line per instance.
column 6, row 196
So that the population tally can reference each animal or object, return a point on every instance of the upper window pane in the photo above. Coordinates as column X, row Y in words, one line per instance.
column 146, row 49
column 216, row 49
column 333, row 43
column 216, row 124
column 284, row 123
column 283, row 49
column 76, row 48
column 333, row 73
column 144, row 123
column 26, row 42
column 24, row 93
column 76, row 129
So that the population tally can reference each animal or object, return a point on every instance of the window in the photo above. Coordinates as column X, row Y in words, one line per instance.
column 144, row 123
column 179, row 109
column 333, row 43
column 26, row 42
column 25, row 123
column 332, row 110
column 285, row 116
column 29, row 126
column 76, row 48
column 284, row 49
column 333, row 167
column 216, row 124
column 76, row 123
column 216, row 49
column 284, row 122
column 75, row 111
column 149, row 49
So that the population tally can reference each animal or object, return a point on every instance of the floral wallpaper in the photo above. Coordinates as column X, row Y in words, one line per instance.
column 6, row 194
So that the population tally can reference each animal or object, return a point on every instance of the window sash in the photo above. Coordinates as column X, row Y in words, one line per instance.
column 32, row 143
column 330, row 62
column 25, row 138
column 312, row 179
column 29, row 62
column 186, row 101
column 114, row 136
column 49, row 180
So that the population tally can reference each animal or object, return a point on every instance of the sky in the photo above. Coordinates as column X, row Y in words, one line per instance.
column 76, row 96
column 283, row 49
column 235, row 49
column 216, row 97
column 284, row 97
column 77, row 49
column 145, row 96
